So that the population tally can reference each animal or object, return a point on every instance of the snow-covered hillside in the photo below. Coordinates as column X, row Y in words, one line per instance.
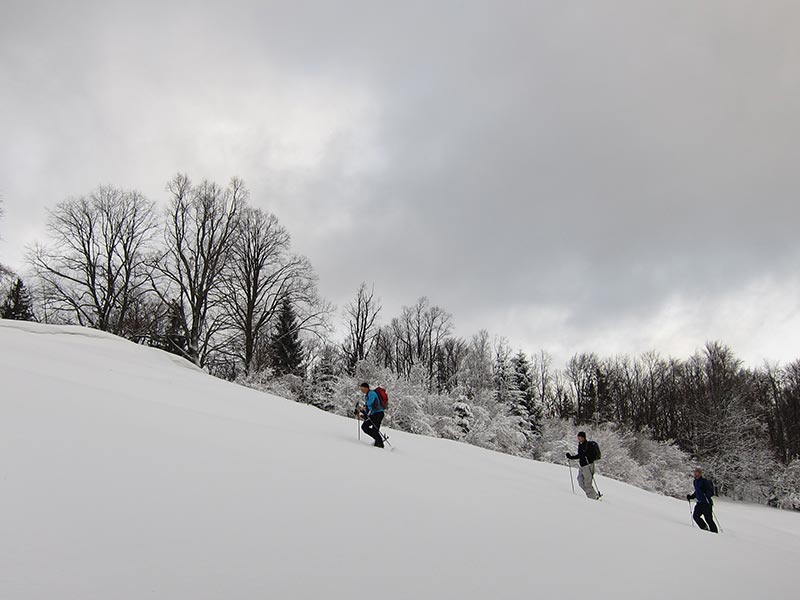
column 126, row 473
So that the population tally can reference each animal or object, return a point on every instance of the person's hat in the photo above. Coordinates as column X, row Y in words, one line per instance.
column 582, row 434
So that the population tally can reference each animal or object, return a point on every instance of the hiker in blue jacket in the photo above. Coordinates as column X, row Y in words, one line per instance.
column 704, row 509
column 372, row 414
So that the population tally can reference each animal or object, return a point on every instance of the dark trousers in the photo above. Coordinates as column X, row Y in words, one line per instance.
column 704, row 510
column 372, row 427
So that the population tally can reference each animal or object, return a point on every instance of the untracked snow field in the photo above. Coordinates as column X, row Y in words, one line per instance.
column 126, row 473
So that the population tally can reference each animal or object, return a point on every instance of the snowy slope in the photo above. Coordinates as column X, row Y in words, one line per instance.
column 126, row 473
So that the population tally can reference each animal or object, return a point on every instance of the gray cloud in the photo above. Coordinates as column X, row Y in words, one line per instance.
column 610, row 176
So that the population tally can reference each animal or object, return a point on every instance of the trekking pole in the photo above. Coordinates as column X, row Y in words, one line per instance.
column 713, row 514
column 358, row 424
column 571, row 481
column 594, row 481
column 716, row 519
column 691, row 515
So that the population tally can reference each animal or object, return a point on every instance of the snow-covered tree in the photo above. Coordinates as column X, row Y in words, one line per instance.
column 525, row 405
column 450, row 365
column 477, row 369
column 361, row 315
column 787, row 487
column 503, row 374
column 324, row 376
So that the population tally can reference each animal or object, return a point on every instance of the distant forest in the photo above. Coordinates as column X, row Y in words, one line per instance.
column 215, row 280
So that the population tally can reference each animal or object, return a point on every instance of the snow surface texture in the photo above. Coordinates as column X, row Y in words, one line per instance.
column 127, row 473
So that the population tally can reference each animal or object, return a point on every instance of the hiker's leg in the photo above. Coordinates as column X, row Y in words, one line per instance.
column 708, row 514
column 377, row 419
column 370, row 430
column 376, row 422
column 587, row 486
column 697, row 515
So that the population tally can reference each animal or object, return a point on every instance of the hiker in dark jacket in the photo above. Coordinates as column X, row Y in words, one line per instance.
column 704, row 509
column 372, row 414
column 586, row 469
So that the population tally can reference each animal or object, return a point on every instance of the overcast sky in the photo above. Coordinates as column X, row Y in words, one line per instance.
column 610, row 176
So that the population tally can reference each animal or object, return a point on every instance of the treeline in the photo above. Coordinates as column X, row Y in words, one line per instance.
column 742, row 424
column 214, row 279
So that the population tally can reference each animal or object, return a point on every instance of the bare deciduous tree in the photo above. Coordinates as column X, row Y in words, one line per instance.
column 260, row 277
column 582, row 374
column 418, row 334
column 361, row 314
column 450, row 363
column 201, row 231
column 94, row 268
column 542, row 373
column 478, row 365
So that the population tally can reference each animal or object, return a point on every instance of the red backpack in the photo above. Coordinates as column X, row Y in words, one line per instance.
column 383, row 397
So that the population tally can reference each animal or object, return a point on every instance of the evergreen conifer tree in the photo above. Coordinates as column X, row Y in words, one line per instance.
column 286, row 349
column 521, row 395
column 18, row 305
column 175, row 340
column 324, row 377
column 524, row 403
column 503, row 376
